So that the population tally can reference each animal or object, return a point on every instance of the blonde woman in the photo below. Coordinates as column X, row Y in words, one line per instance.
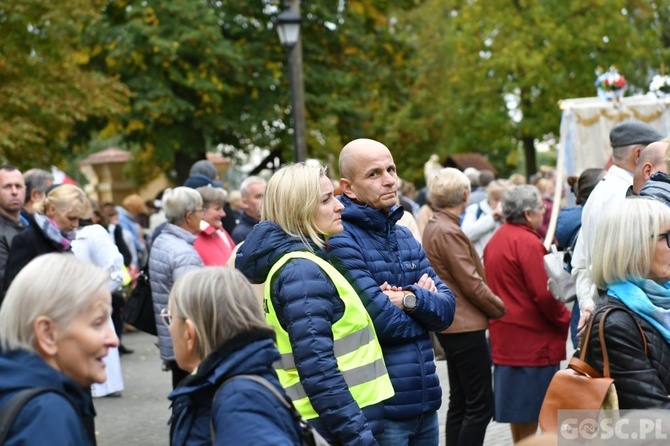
column 332, row 365
column 51, row 229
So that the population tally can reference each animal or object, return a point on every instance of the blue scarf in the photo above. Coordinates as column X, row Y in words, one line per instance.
column 646, row 298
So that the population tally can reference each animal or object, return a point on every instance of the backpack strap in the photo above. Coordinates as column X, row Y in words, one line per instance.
column 283, row 399
column 19, row 400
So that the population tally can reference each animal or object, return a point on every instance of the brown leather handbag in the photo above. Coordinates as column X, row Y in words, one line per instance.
column 580, row 386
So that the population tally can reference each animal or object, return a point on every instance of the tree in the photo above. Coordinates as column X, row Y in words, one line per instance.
column 207, row 73
column 45, row 91
column 489, row 75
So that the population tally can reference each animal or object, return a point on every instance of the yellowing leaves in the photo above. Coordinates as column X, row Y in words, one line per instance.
column 134, row 125
column 80, row 58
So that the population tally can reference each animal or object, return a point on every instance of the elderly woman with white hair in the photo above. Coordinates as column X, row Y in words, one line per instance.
column 219, row 332
column 631, row 260
column 54, row 333
column 528, row 343
column 173, row 254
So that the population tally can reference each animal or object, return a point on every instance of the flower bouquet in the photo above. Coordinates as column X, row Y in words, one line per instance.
column 660, row 86
column 610, row 84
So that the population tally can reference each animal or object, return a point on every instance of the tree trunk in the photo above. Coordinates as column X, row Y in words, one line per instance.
column 529, row 154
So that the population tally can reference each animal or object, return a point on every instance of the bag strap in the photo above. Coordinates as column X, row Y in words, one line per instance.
column 19, row 400
column 601, row 336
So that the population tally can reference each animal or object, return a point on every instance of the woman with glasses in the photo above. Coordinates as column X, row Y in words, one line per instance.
column 219, row 332
column 528, row 342
column 631, row 260
column 173, row 254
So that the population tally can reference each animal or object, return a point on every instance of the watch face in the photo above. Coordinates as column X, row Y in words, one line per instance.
column 409, row 301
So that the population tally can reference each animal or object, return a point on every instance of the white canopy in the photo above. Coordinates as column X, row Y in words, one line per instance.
column 585, row 129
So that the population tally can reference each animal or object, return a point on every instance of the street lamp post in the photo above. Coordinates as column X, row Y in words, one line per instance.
column 288, row 28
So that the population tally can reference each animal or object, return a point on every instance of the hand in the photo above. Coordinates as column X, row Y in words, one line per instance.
column 396, row 298
column 427, row 283
column 386, row 287
column 497, row 212
column 583, row 319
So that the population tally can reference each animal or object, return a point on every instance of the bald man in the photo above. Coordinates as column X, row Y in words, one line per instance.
column 652, row 160
column 401, row 292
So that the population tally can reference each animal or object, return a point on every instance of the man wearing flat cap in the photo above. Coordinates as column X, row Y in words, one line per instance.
column 628, row 139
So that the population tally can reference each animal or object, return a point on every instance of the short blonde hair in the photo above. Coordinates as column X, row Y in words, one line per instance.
column 65, row 198
column 219, row 302
column 58, row 286
column 292, row 200
column 180, row 201
column 447, row 187
column 625, row 240
column 495, row 190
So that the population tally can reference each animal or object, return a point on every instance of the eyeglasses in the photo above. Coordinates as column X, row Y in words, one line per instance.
column 666, row 236
column 166, row 317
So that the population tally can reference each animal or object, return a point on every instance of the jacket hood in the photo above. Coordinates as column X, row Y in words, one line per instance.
column 20, row 369
column 264, row 245
column 658, row 188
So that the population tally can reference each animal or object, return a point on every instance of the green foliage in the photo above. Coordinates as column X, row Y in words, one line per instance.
column 44, row 89
column 474, row 59
column 171, row 79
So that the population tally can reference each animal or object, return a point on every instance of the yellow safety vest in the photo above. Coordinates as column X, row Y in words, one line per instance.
column 357, row 351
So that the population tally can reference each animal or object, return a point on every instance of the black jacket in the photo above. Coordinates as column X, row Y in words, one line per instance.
column 27, row 245
column 641, row 381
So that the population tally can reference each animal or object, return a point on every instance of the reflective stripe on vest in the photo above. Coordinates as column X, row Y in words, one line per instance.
column 355, row 346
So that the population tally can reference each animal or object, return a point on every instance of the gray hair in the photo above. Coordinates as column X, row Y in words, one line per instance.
column 219, row 302
column 204, row 167
column 244, row 187
column 447, row 187
column 58, row 286
column 519, row 199
column 212, row 195
column 180, row 201
column 37, row 179
column 625, row 240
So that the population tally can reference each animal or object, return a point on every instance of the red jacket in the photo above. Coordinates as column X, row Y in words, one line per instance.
column 214, row 246
column 534, row 329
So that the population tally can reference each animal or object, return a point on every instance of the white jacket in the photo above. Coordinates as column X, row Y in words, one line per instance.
column 479, row 230
column 609, row 191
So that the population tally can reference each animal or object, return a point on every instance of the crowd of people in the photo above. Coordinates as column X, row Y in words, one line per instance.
column 336, row 296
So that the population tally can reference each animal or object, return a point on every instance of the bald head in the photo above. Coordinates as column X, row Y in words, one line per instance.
column 651, row 160
column 350, row 155
column 368, row 173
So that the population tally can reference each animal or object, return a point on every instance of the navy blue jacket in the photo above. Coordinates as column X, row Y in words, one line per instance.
column 244, row 412
column 373, row 250
column 47, row 418
column 243, row 228
column 307, row 304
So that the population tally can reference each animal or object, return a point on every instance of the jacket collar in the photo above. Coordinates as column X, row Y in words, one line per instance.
column 366, row 216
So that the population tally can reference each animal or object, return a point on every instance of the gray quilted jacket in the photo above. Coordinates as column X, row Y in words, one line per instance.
column 172, row 254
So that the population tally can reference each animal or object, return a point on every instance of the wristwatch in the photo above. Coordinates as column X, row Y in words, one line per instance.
column 409, row 301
